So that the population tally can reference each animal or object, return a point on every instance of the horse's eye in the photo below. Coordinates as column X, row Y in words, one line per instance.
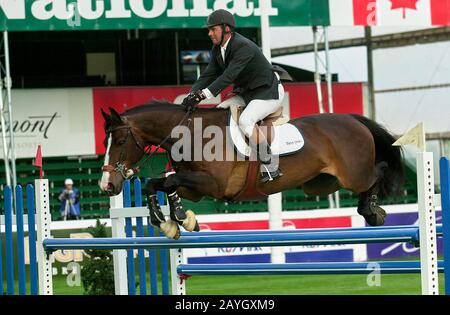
column 121, row 142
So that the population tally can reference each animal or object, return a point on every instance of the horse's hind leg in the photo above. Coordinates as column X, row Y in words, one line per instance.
column 367, row 204
column 321, row 185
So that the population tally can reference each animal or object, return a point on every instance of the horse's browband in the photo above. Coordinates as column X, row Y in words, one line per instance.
column 117, row 128
column 140, row 146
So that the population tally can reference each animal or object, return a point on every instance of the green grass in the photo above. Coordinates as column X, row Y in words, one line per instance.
column 301, row 285
column 407, row 284
column 391, row 284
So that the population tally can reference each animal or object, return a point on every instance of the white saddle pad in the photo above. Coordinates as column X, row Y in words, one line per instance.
column 287, row 139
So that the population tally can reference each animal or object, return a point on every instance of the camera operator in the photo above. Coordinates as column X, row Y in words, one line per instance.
column 70, row 201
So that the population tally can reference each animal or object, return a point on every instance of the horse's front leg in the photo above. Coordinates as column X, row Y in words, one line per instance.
column 200, row 182
column 157, row 218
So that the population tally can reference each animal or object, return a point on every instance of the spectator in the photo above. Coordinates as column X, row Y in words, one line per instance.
column 70, row 201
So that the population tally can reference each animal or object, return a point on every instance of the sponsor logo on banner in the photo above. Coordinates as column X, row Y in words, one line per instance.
column 26, row 15
column 60, row 120
column 397, row 250
column 122, row 14
column 32, row 126
column 64, row 9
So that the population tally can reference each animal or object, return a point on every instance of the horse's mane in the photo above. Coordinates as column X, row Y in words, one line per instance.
column 162, row 105
column 153, row 105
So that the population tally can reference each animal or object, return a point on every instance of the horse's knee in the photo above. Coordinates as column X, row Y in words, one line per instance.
column 149, row 188
column 171, row 183
column 166, row 184
column 155, row 184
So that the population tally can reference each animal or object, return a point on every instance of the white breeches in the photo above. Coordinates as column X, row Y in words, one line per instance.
column 255, row 111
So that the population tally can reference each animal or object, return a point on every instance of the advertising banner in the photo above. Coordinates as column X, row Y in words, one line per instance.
column 33, row 15
column 300, row 99
column 397, row 250
column 256, row 254
column 68, row 122
column 60, row 120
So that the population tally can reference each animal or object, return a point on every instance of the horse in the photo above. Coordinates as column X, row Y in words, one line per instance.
column 340, row 151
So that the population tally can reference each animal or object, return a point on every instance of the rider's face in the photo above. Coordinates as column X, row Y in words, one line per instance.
column 215, row 34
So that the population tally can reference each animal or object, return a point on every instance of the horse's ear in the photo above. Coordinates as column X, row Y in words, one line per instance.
column 115, row 115
column 105, row 115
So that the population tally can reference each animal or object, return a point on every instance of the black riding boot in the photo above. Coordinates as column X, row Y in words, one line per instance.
column 269, row 170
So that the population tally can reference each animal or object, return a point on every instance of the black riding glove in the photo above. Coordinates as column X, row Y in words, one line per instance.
column 192, row 100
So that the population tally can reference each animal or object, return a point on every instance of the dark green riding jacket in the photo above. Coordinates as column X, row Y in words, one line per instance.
column 245, row 66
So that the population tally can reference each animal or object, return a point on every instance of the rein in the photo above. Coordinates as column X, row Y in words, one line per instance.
column 128, row 173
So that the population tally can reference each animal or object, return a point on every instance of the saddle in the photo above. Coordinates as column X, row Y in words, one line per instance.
column 283, row 137
column 275, row 119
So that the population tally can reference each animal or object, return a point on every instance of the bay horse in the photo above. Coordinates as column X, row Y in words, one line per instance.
column 340, row 151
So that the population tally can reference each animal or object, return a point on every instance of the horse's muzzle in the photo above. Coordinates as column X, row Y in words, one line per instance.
column 109, row 189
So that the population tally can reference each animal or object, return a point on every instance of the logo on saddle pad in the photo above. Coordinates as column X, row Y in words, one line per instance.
column 287, row 138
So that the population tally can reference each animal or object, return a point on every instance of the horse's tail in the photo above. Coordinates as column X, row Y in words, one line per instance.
column 394, row 176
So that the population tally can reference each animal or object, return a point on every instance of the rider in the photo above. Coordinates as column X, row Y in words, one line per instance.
column 239, row 61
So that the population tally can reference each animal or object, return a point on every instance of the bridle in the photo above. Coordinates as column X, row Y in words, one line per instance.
column 128, row 173
column 120, row 167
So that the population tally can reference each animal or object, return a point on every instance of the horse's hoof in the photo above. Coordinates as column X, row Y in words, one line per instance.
column 197, row 227
column 171, row 229
column 376, row 218
column 190, row 223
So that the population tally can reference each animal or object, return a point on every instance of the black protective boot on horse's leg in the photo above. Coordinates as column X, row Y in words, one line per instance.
column 367, row 204
column 156, row 214
column 368, row 208
column 170, row 228
column 269, row 171
column 184, row 218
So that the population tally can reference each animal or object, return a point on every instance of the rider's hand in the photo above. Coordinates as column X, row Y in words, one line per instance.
column 192, row 100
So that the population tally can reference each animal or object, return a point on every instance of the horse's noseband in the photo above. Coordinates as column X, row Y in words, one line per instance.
column 120, row 167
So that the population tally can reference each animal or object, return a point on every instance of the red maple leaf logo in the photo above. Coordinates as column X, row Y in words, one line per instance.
column 404, row 4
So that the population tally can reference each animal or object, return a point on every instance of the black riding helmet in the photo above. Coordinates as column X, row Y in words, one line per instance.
column 221, row 17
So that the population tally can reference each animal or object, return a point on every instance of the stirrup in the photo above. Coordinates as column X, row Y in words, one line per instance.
column 267, row 176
